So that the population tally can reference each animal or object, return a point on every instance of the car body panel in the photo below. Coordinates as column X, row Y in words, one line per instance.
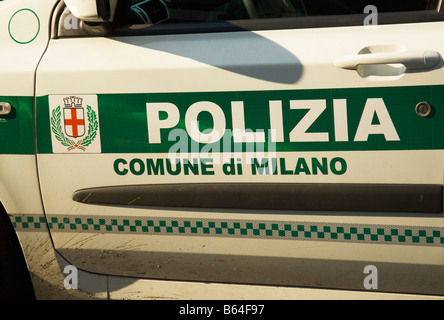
column 232, row 245
column 98, row 121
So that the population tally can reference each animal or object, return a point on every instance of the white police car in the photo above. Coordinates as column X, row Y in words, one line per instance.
column 214, row 149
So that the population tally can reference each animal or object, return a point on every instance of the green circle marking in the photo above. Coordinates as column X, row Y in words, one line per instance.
column 9, row 27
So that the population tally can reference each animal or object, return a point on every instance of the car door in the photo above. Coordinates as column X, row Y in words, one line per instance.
column 277, row 143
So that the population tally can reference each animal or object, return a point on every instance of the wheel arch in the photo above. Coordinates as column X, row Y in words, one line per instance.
column 15, row 279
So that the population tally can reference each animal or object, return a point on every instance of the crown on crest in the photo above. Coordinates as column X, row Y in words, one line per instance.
column 74, row 102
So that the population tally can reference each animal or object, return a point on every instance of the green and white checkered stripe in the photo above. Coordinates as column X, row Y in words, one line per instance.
column 358, row 233
column 28, row 222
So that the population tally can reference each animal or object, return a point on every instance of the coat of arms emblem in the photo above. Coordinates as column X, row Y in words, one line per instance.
column 75, row 126
column 74, row 117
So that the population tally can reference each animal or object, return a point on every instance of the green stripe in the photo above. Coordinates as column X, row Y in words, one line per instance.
column 17, row 128
column 255, row 229
column 123, row 120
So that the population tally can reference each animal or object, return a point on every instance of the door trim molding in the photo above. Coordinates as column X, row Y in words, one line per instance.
column 272, row 196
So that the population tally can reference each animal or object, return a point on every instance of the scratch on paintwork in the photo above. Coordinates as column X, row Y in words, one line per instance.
column 84, row 199
column 139, row 293
column 66, row 243
column 81, row 242
column 127, row 245
column 134, row 200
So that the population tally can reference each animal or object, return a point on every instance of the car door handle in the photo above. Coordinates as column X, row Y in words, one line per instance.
column 425, row 59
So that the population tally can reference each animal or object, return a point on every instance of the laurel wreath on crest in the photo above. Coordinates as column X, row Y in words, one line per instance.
column 56, row 127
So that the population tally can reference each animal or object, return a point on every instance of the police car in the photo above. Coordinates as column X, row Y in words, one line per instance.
column 221, row 149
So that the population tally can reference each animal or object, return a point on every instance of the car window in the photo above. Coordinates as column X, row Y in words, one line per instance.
column 327, row 7
column 217, row 10
column 145, row 17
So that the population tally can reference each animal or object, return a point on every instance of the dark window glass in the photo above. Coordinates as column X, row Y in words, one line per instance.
column 140, row 11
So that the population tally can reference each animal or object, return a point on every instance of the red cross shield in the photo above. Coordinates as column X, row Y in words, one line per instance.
column 74, row 120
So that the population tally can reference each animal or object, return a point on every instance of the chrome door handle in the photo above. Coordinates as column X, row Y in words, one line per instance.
column 410, row 59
